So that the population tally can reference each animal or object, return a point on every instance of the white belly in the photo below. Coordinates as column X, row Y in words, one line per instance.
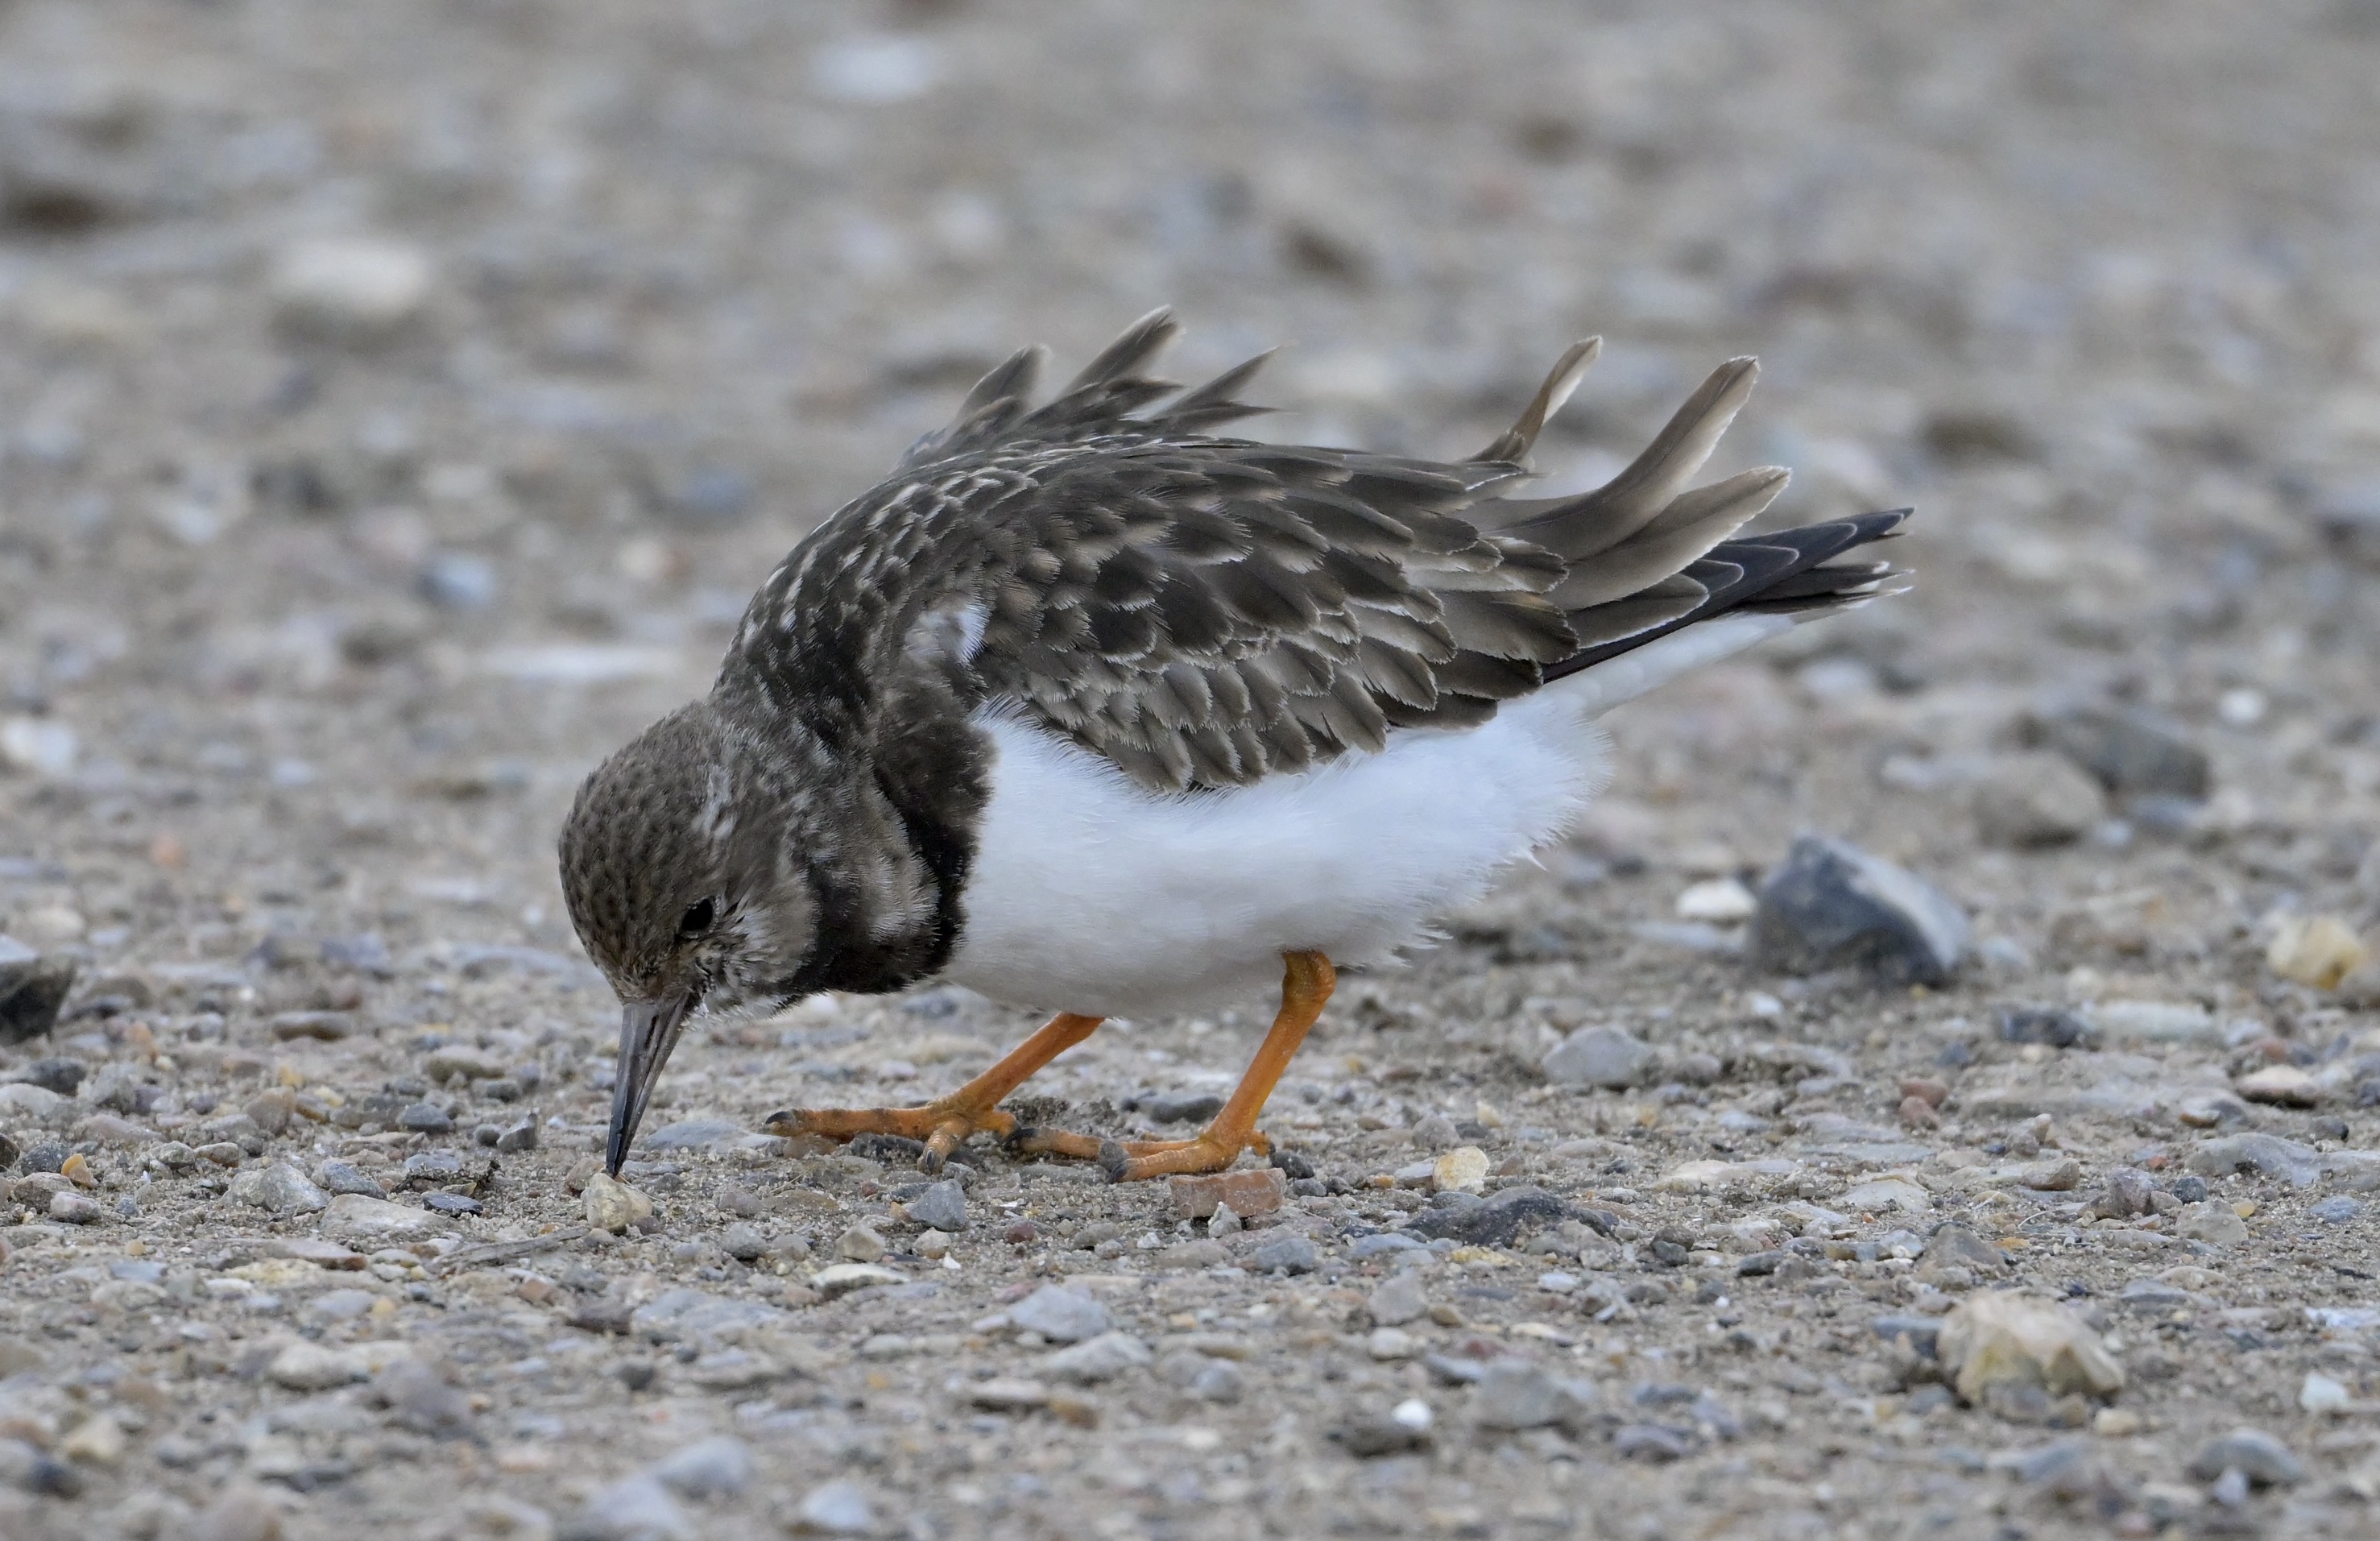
column 1091, row 894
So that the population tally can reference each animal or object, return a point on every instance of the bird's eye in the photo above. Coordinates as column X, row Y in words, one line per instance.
column 697, row 918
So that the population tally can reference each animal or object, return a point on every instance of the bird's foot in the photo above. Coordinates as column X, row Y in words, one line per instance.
column 1132, row 1161
column 942, row 1126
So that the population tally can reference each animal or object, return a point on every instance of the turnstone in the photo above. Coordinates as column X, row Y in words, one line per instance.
column 1092, row 707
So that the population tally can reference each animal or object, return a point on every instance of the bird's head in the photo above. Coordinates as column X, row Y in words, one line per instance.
column 679, row 894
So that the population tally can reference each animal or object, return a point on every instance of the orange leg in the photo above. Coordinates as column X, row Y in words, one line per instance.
column 1305, row 987
column 945, row 1123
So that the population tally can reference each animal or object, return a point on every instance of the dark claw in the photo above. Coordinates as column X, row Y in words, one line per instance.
column 1019, row 1134
column 1113, row 1161
column 929, row 1161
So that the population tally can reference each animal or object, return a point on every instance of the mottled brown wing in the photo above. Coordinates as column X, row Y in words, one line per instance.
column 1206, row 612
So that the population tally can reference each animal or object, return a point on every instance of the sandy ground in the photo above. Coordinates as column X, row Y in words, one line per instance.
column 398, row 402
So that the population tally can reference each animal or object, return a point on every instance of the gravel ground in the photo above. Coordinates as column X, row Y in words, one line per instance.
column 398, row 402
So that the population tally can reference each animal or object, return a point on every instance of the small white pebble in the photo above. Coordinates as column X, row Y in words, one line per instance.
column 1412, row 1413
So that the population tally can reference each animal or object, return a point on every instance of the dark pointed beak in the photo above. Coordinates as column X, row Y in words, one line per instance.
column 648, row 1031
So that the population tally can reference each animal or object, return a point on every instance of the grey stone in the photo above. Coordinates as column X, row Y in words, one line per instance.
column 1399, row 1299
column 339, row 1177
column 687, row 1314
column 695, row 1133
column 641, row 1508
column 424, row 1118
column 2035, row 800
column 2253, row 1453
column 1058, row 1313
column 1924, row 1333
column 2133, row 753
column 838, row 1508
column 2337, row 1211
column 1497, row 1220
column 458, row 581
column 32, row 990
column 418, row 1397
column 744, row 1242
column 59, row 1075
column 718, row 1467
column 2300, row 1165
column 35, row 1104
column 1831, row 906
column 1291, row 1253
column 1096, row 1359
column 439, row 1201
column 1516, row 1395
column 2216, row 1224
column 1381, row 1242
column 1180, row 1106
column 942, row 1206
column 1600, row 1056
column 1651, row 1443
column 2129, row 1193
column 279, row 1189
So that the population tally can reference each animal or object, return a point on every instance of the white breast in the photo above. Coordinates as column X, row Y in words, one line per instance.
column 1091, row 894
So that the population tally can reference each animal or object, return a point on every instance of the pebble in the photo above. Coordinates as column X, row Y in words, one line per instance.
column 1463, row 1169
column 1382, row 1243
column 1497, row 1220
column 2063, row 1174
column 613, row 1206
column 2154, row 1022
column 1008, row 1394
column 1370, row 1436
column 99, row 1440
column 2133, row 753
column 32, row 988
column 1996, row 1337
column 744, row 1242
column 340, row 1177
column 312, row 1368
column 838, row 1508
column 1916, row 1112
column 1249, row 1193
column 1515, row 1394
column 279, row 1189
column 2037, row 799
column 1388, row 1342
column 354, row 1216
column 1829, row 905
column 1178, row 1107
column 841, row 1278
column 2253, row 1453
column 1291, row 1253
column 2320, row 1395
column 2336, row 1210
column 1400, row 1298
column 638, row 1509
column 942, row 1206
column 72, row 1208
column 1096, row 1359
column 353, row 289
column 240, row 1512
column 443, row 1203
column 2317, row 951
column 718, row 1467
column 1060, row 1314
column 2284, row 1084
column 2214, row 1224
column 425, row 1118
column 859, row 1244
column 1717, row 901
column 1224, row 1222
column 1600, row 1056
column 59, row 1075
column 2300, row 1165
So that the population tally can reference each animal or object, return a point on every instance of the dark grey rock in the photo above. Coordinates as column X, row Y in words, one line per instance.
column 2190, row 1188
column 1180, row 1106
column 744, row 1242
column 340, row 1177
column 45, row 1157
column 418, row 1397
column 458, row 581
column 1371, row 1435
column 425, row 1118
column 1380, row 1244
column 1650, row 1442
column 1291, row 1253
column 2129, row 1193
column 434, row 1167
column 439, row 1201
column 519, row 1137
column 2253, row 1453
column 2132, row 752
column 1831, row 906
column 942, row 1206
column 2338, row 1210
column 2300, row 1165
column 60, row 1075
column 32, row 990
column 1498, row 1220
column 2044, row 1024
